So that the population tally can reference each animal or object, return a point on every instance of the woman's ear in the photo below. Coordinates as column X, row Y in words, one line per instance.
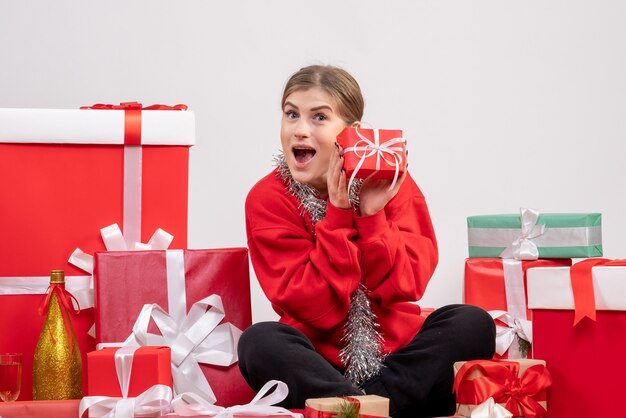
column 356, row 124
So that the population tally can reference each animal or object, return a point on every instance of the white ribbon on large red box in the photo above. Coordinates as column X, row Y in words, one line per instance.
column 522, row 248
column 194, row 337
column 191, row 404
column 155, row 401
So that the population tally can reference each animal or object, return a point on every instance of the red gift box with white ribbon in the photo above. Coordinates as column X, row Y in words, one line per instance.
column 377, row 152
column 66, row 173
column 499, row 287
column 195, row 301
column 579, row 323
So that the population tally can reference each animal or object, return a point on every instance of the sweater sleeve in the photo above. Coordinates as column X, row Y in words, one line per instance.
column 307, row 278
column 398, row 247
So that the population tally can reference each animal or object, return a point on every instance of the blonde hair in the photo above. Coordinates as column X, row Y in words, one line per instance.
column 335, row 81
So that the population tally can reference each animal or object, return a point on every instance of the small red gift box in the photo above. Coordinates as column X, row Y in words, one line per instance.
column 68, row 174
column 495, row 284
column 150, row 366
column 518, row 385
column 126, row 281
column 587, row 359
column 368, row 151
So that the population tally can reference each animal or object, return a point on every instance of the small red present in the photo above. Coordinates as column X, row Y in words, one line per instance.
column 381, row 152
column 499, row 286
column 68, row 173
column 148, row 366
column 587, row 359
column 518, row 385
column 184, row 284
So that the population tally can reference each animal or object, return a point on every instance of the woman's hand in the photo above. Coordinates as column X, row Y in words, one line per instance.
column 336, row 181
column 375, row 194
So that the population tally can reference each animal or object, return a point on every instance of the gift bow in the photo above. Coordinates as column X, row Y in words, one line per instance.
column 582, row 286
column 154, row 401
column 383, row 150
column 500, row 380
column 523, row 248
column 191, row 404
column 196, row 339
column 113, row 241
column 134, row 106
column 516, row 327
column 490, row 409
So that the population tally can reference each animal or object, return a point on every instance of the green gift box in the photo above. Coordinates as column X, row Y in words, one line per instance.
column 533, row 235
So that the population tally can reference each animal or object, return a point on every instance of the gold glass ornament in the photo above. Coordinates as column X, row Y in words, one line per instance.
column 57, row 366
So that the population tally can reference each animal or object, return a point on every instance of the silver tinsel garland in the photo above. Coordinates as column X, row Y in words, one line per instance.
column 363, row 344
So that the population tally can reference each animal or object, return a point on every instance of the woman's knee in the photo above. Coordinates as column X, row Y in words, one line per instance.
column 265, row 338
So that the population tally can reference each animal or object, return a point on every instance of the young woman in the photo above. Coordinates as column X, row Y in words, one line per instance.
column 341, row 268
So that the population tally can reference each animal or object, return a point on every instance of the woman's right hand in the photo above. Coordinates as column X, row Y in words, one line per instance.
column 336, row 181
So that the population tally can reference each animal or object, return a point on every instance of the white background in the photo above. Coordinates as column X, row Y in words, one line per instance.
column 504, row 103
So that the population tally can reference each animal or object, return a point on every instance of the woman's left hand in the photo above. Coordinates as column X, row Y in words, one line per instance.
column 375, row 194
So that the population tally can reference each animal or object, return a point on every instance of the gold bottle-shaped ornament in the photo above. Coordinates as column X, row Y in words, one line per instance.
column 57, row 367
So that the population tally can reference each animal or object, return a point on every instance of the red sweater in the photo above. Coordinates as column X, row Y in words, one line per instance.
column 309, row 276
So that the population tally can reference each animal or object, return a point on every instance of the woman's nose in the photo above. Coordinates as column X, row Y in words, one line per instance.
column 303, row 128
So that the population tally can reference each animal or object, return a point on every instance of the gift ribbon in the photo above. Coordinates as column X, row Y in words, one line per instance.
column 65, row 299
column 523, row 248
column 517, row 328
column 153, row 401
column 500, row 381
column 490, row 409
column 191, row 404
column 197, row 337
column 132, row 162
column 582, row 286
column 382, row 151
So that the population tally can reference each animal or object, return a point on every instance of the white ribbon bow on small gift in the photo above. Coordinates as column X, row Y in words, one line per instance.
column 383, row 150
column 516, row 328
column 523, row 248
column 490, row 409
column 195, row 339
column 154, row 401
column 191, row 404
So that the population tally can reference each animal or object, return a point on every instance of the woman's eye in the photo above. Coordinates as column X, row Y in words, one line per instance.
column 320, row 117
column 291, row 114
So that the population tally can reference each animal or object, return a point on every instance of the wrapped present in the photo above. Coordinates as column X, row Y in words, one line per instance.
column 499, row 286
column 532, row 235
column 370, row 406
column 373, row 151
column 520, row 386
column 177, row 290
column 123, row 385
column 587, row 359
column 69, row 173
column 146, row 367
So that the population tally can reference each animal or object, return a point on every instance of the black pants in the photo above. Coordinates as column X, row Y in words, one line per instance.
column 417, row 378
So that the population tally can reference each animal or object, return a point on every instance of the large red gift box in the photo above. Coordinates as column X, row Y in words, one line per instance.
column 62, row 175
column 125, row 281
column 486, row 284
column 368, row 151
column 587, row 360
column 150, row 366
